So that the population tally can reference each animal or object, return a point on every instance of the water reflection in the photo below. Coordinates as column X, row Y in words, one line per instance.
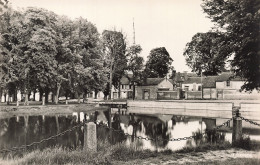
column 17, row 131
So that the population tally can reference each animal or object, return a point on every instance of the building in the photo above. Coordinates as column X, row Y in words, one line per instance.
column 192, row 83
column 229, row 87
column 149, row 88
column 126, row 88
column 209, row 90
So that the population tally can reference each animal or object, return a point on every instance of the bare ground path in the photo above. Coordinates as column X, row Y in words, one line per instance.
column 196, row 157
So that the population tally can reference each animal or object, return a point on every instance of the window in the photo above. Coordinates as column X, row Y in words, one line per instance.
column 228, row 83
column 130, row 86
column 199, row 88
column 122, row 86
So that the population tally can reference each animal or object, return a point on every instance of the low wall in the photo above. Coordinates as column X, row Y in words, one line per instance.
column 194, row 95
column 202, row 109
column 250, row 111
column 241, row 96
column 167, row 95
column 152, row 92
column 209, row 93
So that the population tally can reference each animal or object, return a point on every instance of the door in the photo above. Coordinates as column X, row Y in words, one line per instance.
column 146, row 94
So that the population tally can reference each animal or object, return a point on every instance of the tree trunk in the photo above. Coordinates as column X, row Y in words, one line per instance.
column 119, row 91
column 15, row 95
column 40, row 99
column 43, row 99
column 26, row 101
column 52, row 97
column 78, row 95
column 1, row 93
column 47, row 96
column 29, row 95
column 41, row 93
column 110, row 85
column 111, row 79
column 8, row 99
column 57, row 94
column 96, row 93
column 34, row 95
column 133, row 92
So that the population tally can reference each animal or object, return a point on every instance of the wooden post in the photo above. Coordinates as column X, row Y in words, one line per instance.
column 66, row 102
column 17, row 103
column 237, row 128
column 90, row 137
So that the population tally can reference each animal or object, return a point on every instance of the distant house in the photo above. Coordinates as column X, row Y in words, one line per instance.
column 149, row 88
column 228, row 87
column 126, row 88
column 181, row 77
column 192, row 84
column 209, row 87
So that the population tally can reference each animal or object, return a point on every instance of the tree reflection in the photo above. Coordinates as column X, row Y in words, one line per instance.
column 153, row 128
column 18, row 131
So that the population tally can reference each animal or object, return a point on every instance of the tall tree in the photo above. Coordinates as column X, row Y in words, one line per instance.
column 205, row 53
column 135, row 64
column 158, row 64
column 92, row 56
column 30, row 42
column 240, row 20
column 115, row 49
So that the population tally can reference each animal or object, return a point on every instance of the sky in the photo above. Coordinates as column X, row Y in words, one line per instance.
column 158, row 23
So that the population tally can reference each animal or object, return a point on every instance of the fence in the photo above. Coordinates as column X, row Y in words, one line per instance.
column 90, row 133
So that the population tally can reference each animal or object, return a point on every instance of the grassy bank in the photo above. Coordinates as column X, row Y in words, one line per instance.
column 9, row 111
column 121, row 154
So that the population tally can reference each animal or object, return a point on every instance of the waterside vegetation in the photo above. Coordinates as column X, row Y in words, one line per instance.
column 122, row 154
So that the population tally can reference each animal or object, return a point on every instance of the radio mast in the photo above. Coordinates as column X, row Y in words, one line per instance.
column 133, row 31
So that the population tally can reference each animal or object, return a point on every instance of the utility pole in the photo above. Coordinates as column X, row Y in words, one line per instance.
column 133, row 31
column 133, row 95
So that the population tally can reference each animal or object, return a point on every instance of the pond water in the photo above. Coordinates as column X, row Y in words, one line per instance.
column 20, row 130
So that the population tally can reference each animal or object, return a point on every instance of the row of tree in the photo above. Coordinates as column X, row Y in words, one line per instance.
column 235, row 37
column 44, row 52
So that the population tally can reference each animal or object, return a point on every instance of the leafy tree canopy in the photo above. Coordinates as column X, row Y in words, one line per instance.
column 240, row 21
column 135, row 62
column 205, row 53
column 115, row 55
column 158, row 64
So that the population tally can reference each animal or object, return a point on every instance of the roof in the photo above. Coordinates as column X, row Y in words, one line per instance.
column 209, row 82
column 152, row 81
column 180, row 77
column 191, row 80
column 227, row 76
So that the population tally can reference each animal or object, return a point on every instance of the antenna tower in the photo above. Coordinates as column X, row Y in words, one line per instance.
column 133, row 31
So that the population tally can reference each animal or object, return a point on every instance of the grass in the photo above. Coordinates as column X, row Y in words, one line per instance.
column 121, row 153
column 206, row 147
column 116, row 154
column 106, row 154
